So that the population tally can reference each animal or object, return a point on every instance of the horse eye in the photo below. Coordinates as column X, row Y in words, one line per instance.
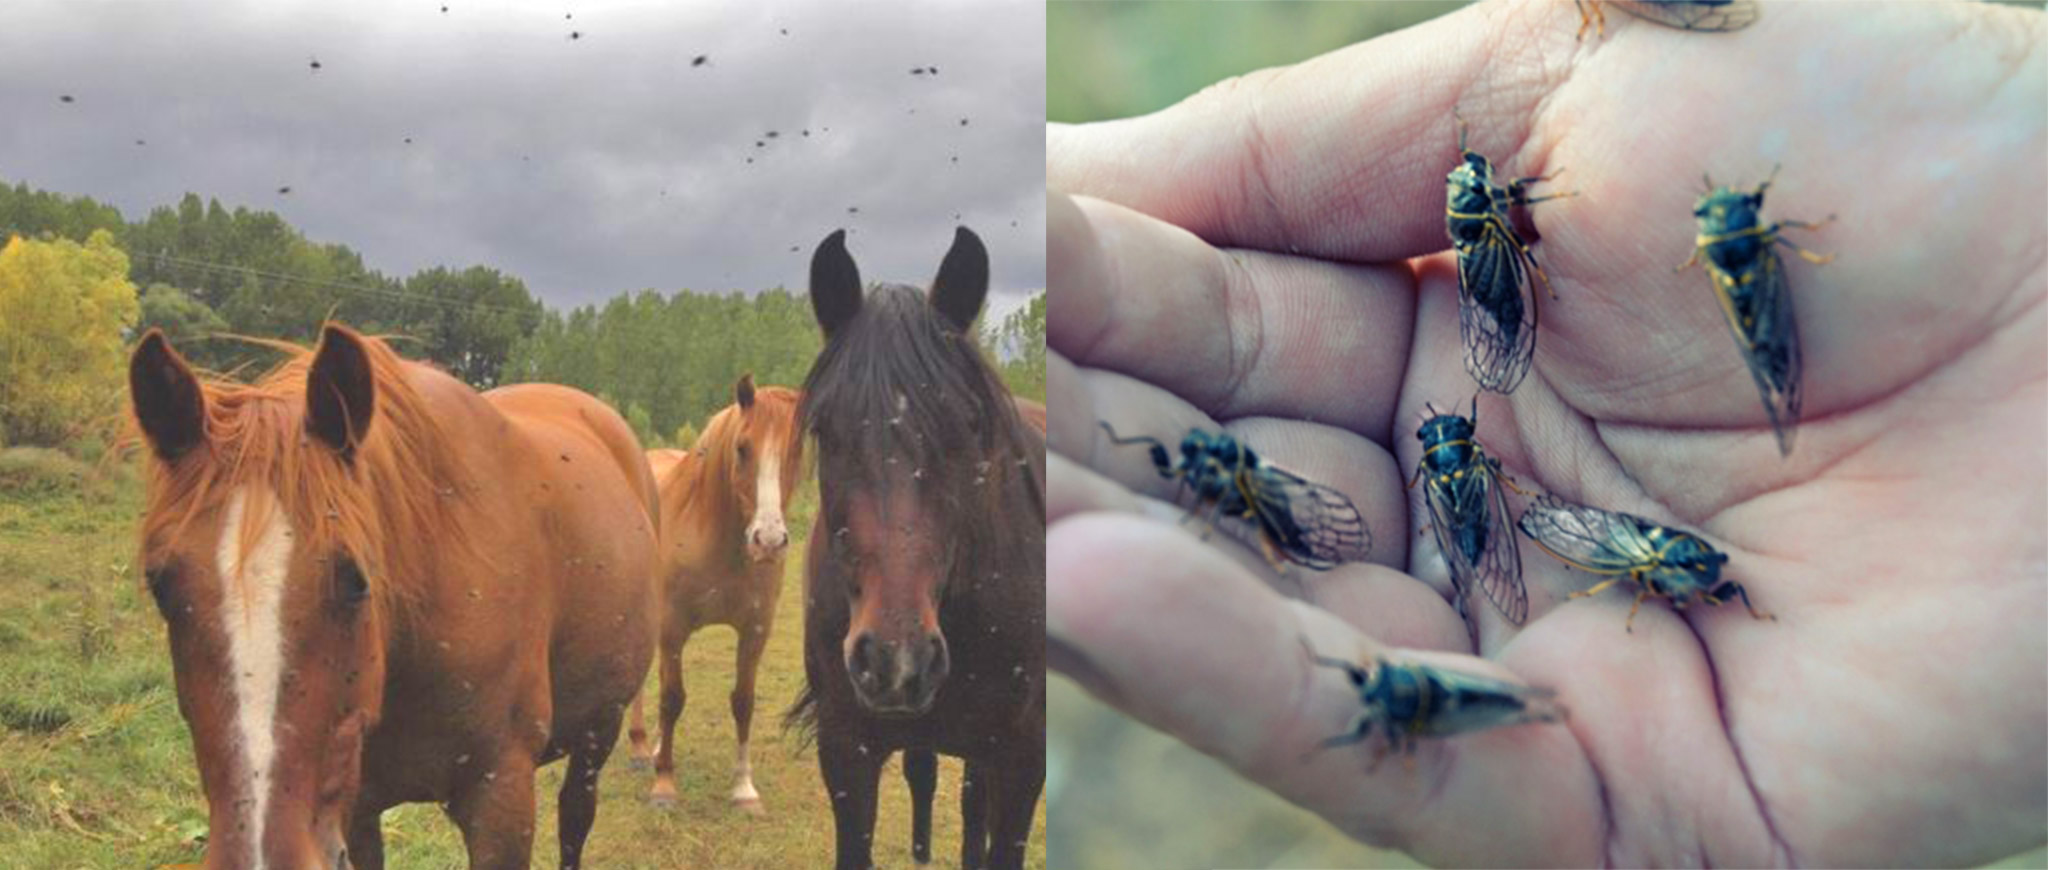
column 159, row 580
column 745, row 451
column 349, row 586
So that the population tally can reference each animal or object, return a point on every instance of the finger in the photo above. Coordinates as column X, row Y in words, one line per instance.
column 1342, row 156
column 1236, row 333
column 1182, row 641
column 1354, row 467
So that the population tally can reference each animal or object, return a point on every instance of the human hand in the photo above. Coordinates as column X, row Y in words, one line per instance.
column 1271, row 254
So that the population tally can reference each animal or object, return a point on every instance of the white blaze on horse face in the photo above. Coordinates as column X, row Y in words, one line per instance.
column 767, row 534
column 252, row 588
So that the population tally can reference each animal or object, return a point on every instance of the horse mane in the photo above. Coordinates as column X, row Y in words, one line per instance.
column 394, row 507
column 708, row 458
column 896, row 390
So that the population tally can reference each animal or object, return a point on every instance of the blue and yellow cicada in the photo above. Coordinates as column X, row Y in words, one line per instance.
column 1468, row 509
column 1749, row 281
column 1295, row 521
column 1496, row 309
column 1408, row 701
column 1718, row 16
column 1661, row 561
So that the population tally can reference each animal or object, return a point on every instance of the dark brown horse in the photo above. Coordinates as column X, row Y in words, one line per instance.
column 924, row 624
column 381, row 587
column 723, row 541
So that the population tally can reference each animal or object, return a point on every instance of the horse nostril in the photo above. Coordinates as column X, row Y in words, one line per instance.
column 862, row 660
column 939, row 662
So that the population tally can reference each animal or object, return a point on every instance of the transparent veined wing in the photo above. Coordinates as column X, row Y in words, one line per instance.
column 1496, row 309
column 1485, row 557
column 1590, row 539
column 1702, row 15
column 1310, row 524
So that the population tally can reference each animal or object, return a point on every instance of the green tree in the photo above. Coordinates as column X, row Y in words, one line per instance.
column 192, row 327
column 65, row 308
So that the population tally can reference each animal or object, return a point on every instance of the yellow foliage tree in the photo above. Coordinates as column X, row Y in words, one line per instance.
column 65, row 309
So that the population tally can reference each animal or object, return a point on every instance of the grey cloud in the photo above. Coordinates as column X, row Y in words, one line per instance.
column 549, row 157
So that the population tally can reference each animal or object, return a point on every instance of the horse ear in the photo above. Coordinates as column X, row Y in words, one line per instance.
column 835, row 283
column 744, row 391
column 168, row 402
column 341, row 396
column 963, row 280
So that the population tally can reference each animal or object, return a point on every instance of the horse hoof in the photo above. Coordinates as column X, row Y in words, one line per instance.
column 635, row 762
column 662, row 801
column 751, row 806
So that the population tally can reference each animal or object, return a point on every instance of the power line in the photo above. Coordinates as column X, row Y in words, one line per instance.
column 383, row 292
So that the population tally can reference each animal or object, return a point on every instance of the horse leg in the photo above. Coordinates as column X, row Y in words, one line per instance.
column 366, row 840
column 921, row 770
column 974, row 791
column 664, row 792
column 577, row 801
column 852, row 771
column 753, row 641
column 1013, row 801
column 495, row 813
column 643, row 754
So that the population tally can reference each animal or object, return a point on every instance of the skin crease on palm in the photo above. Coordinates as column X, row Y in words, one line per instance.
column 1270, row 254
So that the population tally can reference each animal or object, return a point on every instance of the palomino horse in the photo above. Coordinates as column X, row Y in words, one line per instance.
column 924, row 624
column 723, row 540
column 381, row 587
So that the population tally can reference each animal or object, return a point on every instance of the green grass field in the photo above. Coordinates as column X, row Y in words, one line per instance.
column 96, row 767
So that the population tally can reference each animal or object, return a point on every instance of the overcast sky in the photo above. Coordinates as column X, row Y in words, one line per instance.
column 587, row 166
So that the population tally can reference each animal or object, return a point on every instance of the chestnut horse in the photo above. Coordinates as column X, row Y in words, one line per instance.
column 924, row 623
column 381, row 587
column 723, row 541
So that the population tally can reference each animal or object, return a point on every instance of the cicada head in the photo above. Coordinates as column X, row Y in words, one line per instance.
column 1470, row 186
column 1443, row 429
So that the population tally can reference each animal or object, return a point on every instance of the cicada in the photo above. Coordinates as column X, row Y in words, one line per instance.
column 1408, row 701
column 1468, row 509
column 1295, row 521
column 1660, row 560
column 1703, row 15
column 1496, row 310
column 1749, row 280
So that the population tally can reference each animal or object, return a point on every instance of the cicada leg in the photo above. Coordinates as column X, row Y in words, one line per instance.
column 1509, row 482
column 1697, row 247
column 1759, row 614
column 1590, row 19
column 1809, row 256
column 1630, row 625
column 1597, row 588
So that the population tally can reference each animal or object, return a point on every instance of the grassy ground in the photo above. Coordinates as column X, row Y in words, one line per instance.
column 96, row 767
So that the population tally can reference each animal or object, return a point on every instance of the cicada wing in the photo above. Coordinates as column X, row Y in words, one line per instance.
column 1500, row 565
column 1772, row 350
column 1768, row 337
column 1496, row 569
column 1703, row 15
column 1589, row 539
column 1470, row 702
column 1310, row 524
column 1496, row 311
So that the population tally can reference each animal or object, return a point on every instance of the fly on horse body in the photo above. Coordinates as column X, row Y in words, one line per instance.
column 924, row 624
column 723, row 542
column 381, row 587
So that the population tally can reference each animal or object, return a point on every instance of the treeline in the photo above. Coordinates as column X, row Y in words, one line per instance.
column 204, row 273
column 669, row 362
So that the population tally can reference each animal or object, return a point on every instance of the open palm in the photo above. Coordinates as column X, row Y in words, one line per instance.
column 1267, row 258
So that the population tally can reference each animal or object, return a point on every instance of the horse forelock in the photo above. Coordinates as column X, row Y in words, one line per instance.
column 390, row 507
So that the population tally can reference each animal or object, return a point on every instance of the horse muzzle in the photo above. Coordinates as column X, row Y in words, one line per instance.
column 897, row 677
